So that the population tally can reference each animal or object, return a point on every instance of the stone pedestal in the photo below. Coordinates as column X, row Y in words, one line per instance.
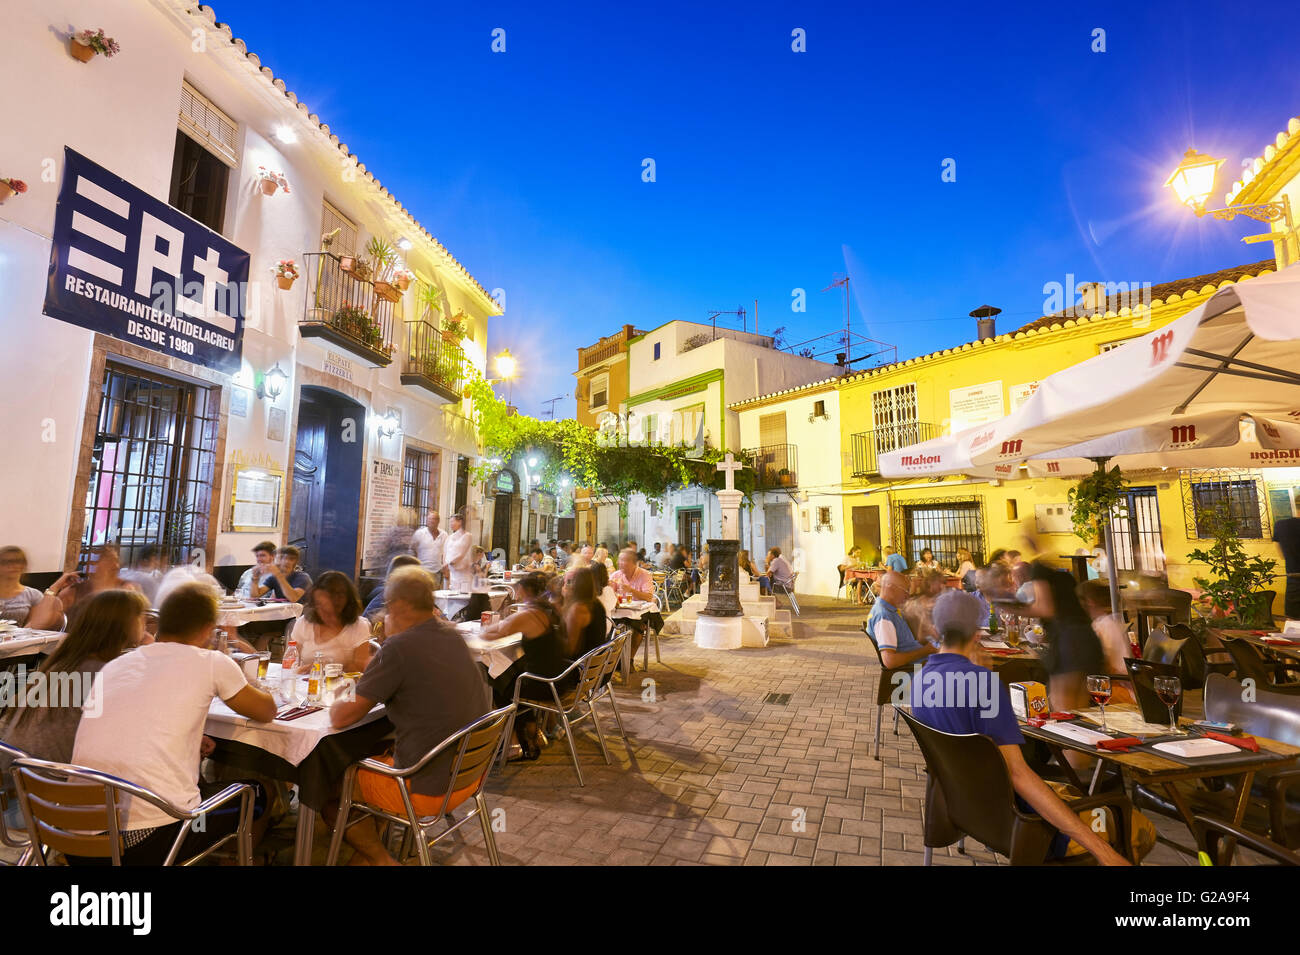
column 729, row 501
column 719, row 633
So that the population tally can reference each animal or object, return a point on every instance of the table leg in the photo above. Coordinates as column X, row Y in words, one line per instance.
column 1058, row 753
column 627, row 660
column 1184, row 810
column 1238, row 812
column 1096, row 777
column 306, row 835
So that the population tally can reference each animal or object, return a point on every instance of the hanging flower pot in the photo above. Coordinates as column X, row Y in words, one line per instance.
column 271, row 181
column 387, row 292
column 269, row 186
column 11, row 187
column 285, row 273
column 348, row 263
column 403, row 282
column 284, row 281
column 81, row 51
column 84, row 44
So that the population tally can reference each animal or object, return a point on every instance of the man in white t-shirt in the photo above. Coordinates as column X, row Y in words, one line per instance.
column 144, row 718
column 429, row 543
column 459, row 558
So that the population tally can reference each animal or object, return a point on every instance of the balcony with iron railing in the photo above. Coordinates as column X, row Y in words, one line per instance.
column 869, row 445
column 347, row 310
column 433, row 360
column 775, row 466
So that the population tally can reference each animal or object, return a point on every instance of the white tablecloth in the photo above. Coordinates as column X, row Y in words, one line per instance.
column 496, row 655
column 633, row 611
column 252, row 613
column 293, row 740
column 20, row 641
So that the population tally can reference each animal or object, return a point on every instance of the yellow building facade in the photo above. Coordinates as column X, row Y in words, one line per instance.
column 949, row 390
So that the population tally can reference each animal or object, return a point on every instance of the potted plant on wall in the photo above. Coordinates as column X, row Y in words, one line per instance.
column 84, row 44
column 455, row 329
column 402, row 278
column 11, row 187
column 384, row 257
column 271, row 180
column 285, row 273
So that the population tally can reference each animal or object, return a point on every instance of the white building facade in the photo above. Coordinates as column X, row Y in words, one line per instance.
column 792, row 440
column 684, row 379
column 335, row 413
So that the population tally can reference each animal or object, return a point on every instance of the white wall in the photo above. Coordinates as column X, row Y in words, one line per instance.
column 121, row 113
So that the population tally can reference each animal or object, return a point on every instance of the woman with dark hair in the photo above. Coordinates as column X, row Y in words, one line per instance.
column 604, row 592
column 584, row 615
column 110, row 623
column 332, row 625
column 927, row 561
column 543, row 654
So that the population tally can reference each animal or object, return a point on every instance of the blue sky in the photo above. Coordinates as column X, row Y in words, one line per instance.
column 776, row 169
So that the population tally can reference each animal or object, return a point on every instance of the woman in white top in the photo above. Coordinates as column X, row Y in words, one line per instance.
column 332, row 625
column 604, row 592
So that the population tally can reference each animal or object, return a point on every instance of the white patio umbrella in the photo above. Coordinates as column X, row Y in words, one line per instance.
column 1180, row 388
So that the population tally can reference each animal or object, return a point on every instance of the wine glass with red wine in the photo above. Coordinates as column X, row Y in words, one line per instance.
column 1099, row 690
column 1169, row 689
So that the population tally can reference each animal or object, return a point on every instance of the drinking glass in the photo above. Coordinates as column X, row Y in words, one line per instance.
column 263, row 663
column 1099, row 690
column 1169, row 689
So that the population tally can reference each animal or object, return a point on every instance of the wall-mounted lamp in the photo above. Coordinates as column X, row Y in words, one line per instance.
column 286, row 135
column 272, row 384
column 404, row 243
column 389, row 424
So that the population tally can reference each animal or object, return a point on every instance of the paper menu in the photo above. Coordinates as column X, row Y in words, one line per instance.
column 1075, row 733
column 1191, row 748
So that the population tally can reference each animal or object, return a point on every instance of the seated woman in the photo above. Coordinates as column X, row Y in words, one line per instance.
column 966, row 568
column 747, row 566
column 543, row 654
column 110, row 623
column 332, row 625
column 852, row 561
column 927, row 562
column 585, row 623
column 23, row 605
column 604, row 592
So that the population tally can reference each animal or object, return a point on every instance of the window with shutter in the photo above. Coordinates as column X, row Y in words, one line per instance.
column 207, row 125
column 771, row 429
column 345, row 243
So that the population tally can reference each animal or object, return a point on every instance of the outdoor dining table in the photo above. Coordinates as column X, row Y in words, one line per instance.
column 1152, row 769
column 229, row 615
column 23, row 641
column 496, row 655
column 306, row 751
column 871, row 575
column 633, row 610
column 1287, row 645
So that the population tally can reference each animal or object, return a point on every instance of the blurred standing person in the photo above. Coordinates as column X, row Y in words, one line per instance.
column 429, row 544
column 105, row 573
column 147, row 571
column 1073, row 650
column 927, row 587
column 459, row 556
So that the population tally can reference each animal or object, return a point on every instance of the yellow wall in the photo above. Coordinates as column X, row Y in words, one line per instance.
column 1015, row 360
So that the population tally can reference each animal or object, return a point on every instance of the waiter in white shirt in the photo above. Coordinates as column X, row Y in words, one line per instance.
column 429, row 543
column 458, row 560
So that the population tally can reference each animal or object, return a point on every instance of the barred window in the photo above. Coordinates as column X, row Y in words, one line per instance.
column 943, row 527
column 420, row 481
column 1239, row 498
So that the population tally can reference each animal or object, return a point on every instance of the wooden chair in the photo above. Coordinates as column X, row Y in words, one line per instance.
column 78, row 811
column 474, row 747
column 593, row 671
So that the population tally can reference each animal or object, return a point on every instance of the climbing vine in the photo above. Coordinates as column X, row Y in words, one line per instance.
column 604, row 465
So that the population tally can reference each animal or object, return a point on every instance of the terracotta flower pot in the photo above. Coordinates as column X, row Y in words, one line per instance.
column 284, row 281
column 347, row 263
column 386, row 291
column 82, row 52
column 269, row 186
column 404, row 282
column 5, row 192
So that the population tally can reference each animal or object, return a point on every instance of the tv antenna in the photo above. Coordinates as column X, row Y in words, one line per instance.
column 739, row 312
column 552, row 402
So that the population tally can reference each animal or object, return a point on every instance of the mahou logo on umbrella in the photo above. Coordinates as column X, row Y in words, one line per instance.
column 1182, row 435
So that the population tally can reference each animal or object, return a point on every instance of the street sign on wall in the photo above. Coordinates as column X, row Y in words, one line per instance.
column 126, row 264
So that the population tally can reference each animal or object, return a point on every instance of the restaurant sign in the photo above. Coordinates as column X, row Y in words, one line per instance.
column 126, row 264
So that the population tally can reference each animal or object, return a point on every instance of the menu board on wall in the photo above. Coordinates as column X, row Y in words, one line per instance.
column 1022, row 393
column 255, row 493
column 383, row 504
column 974, row 405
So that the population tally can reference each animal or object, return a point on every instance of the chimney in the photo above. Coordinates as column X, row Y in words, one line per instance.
column 985, row 320
column 1092, row 298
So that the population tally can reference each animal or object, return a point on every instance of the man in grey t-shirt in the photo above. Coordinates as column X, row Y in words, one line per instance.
column 430, row 687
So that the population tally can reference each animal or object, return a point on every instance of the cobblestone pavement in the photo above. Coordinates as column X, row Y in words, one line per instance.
column 716, row 775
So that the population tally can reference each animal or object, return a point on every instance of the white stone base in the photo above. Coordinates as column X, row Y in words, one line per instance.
column 753, row 631
column 719, row 633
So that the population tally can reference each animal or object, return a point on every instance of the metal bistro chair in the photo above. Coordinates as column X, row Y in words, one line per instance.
column 7, row 836
column 500, row 595
column 884, row 689
column 594, row 671
column 474, row 746
column 969, row 793
column 1251, row 663
column 77, row 811
column 788, row 590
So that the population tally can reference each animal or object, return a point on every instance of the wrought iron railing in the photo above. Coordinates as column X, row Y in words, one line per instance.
column 433, row 361
column 869, row 445
column 775, row 466
column 346, row 309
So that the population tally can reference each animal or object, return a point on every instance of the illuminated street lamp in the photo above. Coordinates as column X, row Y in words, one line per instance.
column 1193, row 182
column 506, row 367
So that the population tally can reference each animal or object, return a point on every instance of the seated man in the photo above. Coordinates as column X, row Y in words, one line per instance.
column 152, row 704
column 536, row 559
column 430, row 687
column 631, row 580
column 958, row 616
column 778, row 571
column 283, row 579
column 888, row 628
column 263, row 560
